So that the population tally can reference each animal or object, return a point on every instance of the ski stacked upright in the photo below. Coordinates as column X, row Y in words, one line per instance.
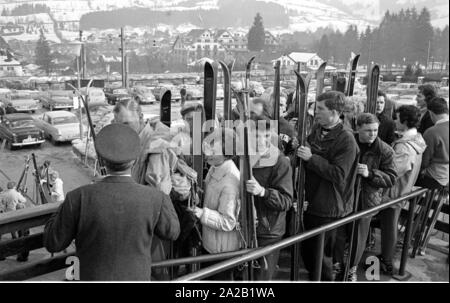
column 297, row 220
column 372, row 89
column 320, row 79
column 352, row 75
column 227, row 106
column 165, row 108
column 276, row 95
column 102, row 167
column 372, row 95
column 248, row 220
column 210, row 90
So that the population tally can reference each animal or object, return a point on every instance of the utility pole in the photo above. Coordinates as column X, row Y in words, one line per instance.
column 122, row 52
column 82, row 57
column 428, row 54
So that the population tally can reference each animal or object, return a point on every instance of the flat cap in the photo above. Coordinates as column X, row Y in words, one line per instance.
column 117, row 143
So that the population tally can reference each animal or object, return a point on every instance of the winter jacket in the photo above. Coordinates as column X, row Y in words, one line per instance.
column 271, row 208
column 386, row 130
column 379, row 158
column 331, row 172
column 221, row 209
column 425, row 123
column 436, row 156
column 113, row 222
column 408, row 152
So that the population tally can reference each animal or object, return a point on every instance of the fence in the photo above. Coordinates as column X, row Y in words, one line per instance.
column 37, row 216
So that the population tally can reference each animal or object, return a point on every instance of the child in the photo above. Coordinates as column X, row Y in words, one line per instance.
column 220, row 211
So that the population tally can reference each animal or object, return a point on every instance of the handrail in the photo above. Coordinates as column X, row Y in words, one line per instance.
column 238, row 257
column 29, row 213
column 258, row 253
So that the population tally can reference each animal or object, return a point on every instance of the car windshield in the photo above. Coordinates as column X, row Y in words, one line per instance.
column 64, row 120
column 120, row 91
column 144, row 90
column 95, row 94
column 22, row 123
column 21, row 96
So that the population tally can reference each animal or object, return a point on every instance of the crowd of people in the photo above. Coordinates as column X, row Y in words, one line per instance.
column 148, row 208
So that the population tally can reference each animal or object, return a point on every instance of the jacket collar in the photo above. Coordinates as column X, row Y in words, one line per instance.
column 373, row 148
column 117, row 179
column 218, row 172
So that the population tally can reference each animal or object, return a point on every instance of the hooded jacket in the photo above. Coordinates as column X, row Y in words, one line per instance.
column 408, row 152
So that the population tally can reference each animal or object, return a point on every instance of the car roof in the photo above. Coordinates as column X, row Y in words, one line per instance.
column 60, row 113
column 18, row 116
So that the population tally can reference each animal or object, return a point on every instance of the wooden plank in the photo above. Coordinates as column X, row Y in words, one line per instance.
column 24, row 224
column 16, row 246
column 30, row 212
column 35, row 269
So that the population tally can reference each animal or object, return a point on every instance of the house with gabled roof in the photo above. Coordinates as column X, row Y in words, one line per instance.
column 308, row 61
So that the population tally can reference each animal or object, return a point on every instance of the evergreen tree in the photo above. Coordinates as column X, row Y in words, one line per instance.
column 323, row 49
column 256, row 35
column 42, row 53
column 408, row 71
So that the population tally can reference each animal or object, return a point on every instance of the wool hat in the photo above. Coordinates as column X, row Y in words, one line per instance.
column 117, row 143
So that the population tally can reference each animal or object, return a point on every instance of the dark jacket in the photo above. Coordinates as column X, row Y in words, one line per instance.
column 113, row 223
column 425, row 123
column 386, row 130
column 331, row 172
column 379, row 158
column 271, row 209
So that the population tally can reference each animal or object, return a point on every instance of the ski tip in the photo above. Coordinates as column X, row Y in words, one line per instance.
column 251, row 60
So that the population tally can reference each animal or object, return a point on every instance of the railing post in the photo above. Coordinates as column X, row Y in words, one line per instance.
column 319, row 244
column 401, row 272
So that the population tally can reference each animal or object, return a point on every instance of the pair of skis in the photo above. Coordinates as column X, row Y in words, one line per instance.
column 91, row 124
column 372, row 96
column 301, row 100
column 248, row 210
column 344, row 85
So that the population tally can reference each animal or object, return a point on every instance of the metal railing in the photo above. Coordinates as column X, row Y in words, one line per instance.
column 320, row 232
column 38, row 215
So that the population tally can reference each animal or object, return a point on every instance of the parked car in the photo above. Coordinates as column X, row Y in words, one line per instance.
column 95, row 96
column 143, row 95
column 405, row 100
column 20, row 130
column 23, row 102
column 58, row 99
column 60, row 126
column 158, row 91
column 403, row 89
column 117, row 95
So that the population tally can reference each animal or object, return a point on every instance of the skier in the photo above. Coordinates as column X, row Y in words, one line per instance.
column 272, row 189
column 330, row 176
column 407, row 158
column 377, row 171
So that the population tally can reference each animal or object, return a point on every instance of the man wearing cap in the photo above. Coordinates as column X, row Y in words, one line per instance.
column 114, row 220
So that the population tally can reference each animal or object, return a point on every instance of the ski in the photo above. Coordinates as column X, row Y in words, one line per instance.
column 165, row 108
column 320, row 78
column 227, row 106
column 209, row 90
column 352, row 75
column 197, row 164
column 42, row 188
column 298, row 211
column 247, row 218
column 276, row 95
column 102, row 167
column 372, row 89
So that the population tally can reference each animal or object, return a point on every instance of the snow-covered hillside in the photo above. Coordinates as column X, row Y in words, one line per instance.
column 303, row 14
column 27, row 28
